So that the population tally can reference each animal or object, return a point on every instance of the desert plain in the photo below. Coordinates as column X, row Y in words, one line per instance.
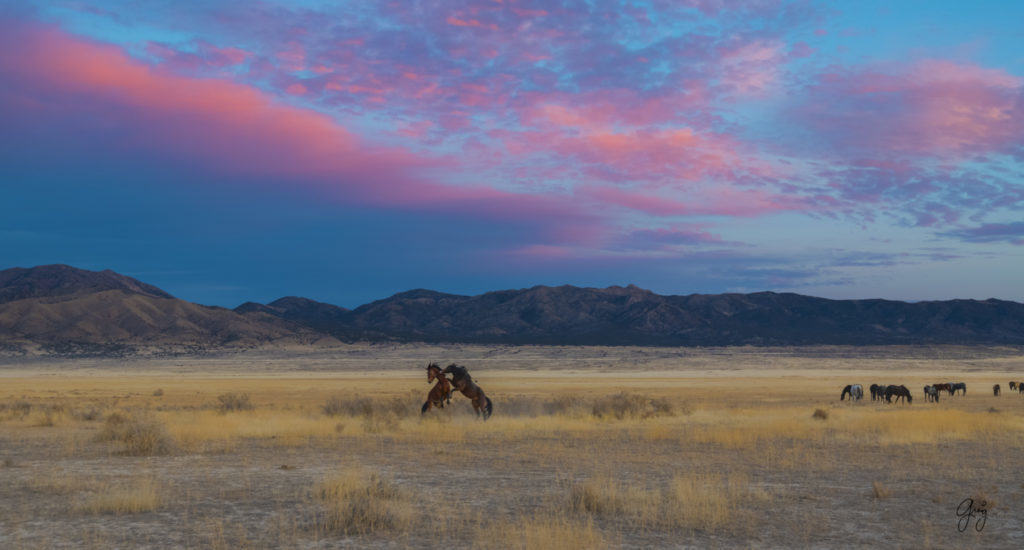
column 588, row 447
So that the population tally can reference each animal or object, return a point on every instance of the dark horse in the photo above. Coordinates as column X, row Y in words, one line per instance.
column 877, row 392
column 944, row 387
column 898, row 392
column 441, row 392
column 931, row 394
column 465, row 384
column 1013, row 386
column 995, row 390
column 958, row 386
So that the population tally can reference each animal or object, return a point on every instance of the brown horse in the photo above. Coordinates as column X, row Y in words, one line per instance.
column 465, row 384
column 441, row 391
column 995, row 390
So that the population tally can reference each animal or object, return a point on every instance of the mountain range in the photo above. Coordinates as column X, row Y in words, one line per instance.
column 58, row 309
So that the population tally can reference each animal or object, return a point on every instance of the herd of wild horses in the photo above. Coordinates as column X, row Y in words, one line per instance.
column 442, row 391
column 931, row 393
column 462, row 381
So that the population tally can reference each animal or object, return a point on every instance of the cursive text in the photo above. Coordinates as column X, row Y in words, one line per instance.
column 969, row 509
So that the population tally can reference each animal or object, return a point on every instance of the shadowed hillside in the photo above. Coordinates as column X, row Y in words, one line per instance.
column 633, row 316
column 68, row 310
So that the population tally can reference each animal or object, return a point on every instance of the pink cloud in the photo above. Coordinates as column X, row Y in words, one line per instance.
column 292, row 57
column 637, row 154
column 752, row 69
column 801, row 49
column 718, row 201
column 238, row 129
column 416, row 130
column 455, row 21
column 932, row 107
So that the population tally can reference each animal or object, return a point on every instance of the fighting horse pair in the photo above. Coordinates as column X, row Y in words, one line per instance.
column 462, row 381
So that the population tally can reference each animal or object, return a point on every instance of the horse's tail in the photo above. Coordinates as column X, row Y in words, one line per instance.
column 489, row 408
column 426, row 405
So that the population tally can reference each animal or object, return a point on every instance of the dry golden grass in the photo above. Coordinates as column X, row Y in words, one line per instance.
column 707, row 502
column 140, row 434
column 927, row 425
column 711, row 501
column 360, row 501
column 572, row 458
column 194, row 430
column 142, row 495
column 541, row 532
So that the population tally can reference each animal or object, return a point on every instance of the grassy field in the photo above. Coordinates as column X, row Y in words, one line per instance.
column 587, row 448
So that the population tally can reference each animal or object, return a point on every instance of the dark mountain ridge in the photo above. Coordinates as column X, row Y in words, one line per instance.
column 632, row 316
column 56, row 305
column 63, row 281
column 64, row 310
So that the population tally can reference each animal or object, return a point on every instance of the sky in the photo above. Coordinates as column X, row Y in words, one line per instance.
column 346, row 151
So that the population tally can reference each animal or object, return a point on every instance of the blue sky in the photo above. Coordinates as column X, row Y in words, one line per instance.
column 347, row 151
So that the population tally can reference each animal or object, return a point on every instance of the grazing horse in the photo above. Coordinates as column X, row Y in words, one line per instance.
column 856, row 392
column 931, row 394
column 877, row 392
column 900, row 392
column 944, row 387
column 995, row 390
column 441, row 392
column 465, row 384
column 958, row 386
column 1013, row 386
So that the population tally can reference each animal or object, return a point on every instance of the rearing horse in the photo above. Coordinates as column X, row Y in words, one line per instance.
column 440, row 392
column 465, row 384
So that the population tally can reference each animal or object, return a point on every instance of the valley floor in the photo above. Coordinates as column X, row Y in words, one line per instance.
column 588, row 447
